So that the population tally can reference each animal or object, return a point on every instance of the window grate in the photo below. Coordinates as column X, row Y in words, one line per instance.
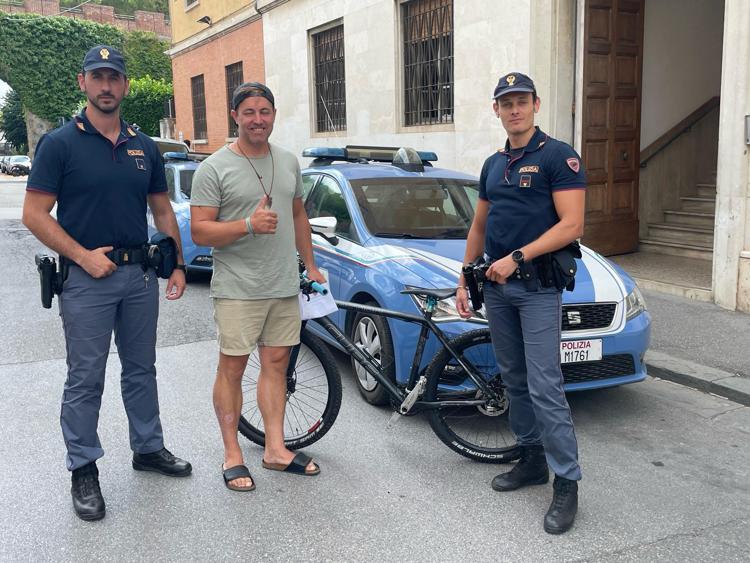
column 330, row 80
column 233, row 74
column 428, row 61
column 200, row 129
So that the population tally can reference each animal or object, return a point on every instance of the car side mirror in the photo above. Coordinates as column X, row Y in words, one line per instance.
column 325, row 227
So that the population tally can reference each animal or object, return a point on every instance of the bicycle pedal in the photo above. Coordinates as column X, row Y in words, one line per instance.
column 413, row 395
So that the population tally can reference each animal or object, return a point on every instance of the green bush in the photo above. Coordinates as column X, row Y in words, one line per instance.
column 145, row 103
column 144, row 56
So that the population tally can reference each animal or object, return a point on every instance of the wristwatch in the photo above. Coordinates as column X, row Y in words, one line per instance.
column 517, row 256
column 181, row 267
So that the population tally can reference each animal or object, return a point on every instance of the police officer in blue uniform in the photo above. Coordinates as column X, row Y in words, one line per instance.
column 102, row 173
column 531, row 203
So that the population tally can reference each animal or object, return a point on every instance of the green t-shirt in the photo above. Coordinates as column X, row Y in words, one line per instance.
column 260, row 266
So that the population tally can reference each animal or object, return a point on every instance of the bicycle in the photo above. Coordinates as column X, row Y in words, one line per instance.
column 460, row 389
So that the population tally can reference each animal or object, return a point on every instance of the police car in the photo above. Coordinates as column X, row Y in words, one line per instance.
column 400, row 222
column 179, row 168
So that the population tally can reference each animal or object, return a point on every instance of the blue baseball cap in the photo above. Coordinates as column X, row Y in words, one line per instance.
column 513, row 82
column 104, row 56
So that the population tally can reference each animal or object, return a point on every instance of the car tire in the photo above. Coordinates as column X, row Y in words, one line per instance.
column 372, row 333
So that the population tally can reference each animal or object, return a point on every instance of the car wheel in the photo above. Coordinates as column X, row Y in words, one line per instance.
column 371, row 333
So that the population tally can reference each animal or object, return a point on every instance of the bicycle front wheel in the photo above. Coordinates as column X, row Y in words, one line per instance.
column 480, row 432
column 313, row 400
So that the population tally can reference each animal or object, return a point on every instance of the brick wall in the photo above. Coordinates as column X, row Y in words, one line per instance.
column 244, row 44
column 140, row 21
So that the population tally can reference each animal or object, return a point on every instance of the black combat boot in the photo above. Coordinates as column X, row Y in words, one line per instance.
column 88, row 501
column 562, row 511
column 531, row 469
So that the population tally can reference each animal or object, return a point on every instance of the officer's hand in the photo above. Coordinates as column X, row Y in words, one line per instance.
column 462, row 303
column 502, row 269
column 176, row 285
column 96, row 263
column 264, row 220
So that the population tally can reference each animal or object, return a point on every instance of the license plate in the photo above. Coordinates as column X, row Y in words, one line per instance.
column 573, row 351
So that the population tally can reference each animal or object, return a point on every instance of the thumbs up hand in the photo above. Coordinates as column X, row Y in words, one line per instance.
column 264, row 220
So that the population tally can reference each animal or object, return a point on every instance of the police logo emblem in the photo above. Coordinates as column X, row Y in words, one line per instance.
column 525, row 181
column 574, row 164
column 140, row 163
column 104, row 54
column 511, row 79
column 529, row 169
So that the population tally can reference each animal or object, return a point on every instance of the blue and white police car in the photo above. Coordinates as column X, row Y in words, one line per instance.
column 179, row 168
column 400, row 222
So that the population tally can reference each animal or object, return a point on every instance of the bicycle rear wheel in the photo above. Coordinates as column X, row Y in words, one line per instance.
column 479, row 432
column 313, row 404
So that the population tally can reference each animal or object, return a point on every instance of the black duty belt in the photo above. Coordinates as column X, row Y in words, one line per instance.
column 124, row 256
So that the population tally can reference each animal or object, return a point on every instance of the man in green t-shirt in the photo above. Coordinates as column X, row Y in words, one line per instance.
column 247, row 203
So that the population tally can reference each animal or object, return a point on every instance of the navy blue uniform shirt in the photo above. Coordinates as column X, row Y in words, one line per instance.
column 519, row 187
column 101, row 188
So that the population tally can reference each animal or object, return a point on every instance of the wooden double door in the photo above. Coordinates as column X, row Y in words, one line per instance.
column 611, row 122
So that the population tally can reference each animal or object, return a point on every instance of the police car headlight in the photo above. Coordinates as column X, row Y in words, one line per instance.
column 446, row 310
column 635, row 304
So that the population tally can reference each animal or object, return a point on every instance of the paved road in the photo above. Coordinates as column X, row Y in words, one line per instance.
column 666, row 468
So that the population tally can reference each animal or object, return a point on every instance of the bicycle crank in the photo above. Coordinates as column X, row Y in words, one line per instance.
column 413, row 395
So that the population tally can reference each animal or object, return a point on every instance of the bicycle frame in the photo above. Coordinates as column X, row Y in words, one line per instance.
column 370, row 364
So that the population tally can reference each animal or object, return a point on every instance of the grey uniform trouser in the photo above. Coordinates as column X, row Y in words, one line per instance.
column 525, row 327
column 91, row 309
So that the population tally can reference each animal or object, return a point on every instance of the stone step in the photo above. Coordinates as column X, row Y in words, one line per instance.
column 690, row 235
column 675, row 249
column 689, row 218
column 700, row 204
column 707, row 191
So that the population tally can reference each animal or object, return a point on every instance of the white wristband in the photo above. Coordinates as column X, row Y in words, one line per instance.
column 249, row 226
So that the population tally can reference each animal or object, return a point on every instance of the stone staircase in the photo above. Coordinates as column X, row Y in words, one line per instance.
column 689, row 230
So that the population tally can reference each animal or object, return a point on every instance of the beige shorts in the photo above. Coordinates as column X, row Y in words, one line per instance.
column 242, row 324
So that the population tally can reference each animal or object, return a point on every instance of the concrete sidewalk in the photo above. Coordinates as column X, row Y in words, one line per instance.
column 700, row 345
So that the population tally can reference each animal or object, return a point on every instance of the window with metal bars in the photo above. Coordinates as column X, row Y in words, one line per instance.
column 427, row 31
column 330, row 81
column 197, row 88
column 233, row 75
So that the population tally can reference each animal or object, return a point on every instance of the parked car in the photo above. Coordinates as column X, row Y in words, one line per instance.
column 19, row 165
column 170, row 145
column 179, row 168
column 402, row 223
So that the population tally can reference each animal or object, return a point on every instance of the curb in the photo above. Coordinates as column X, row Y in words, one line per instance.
column 703, row 378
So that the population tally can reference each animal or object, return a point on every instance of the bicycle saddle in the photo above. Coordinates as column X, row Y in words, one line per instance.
column 439, row 294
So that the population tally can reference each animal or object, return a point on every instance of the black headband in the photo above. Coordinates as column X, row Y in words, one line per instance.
column 251, row 90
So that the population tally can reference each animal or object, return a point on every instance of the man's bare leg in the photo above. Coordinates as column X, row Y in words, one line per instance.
column 274, row 361
column 227, row 405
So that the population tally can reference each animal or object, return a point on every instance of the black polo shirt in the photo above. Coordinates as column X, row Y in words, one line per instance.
column 101, row 188
column 519, row 186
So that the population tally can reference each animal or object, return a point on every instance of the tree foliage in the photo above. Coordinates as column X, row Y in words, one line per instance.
column 125, row 6
column 145, row 103
column 144, row 55
column 42, row 55
column 12, row 121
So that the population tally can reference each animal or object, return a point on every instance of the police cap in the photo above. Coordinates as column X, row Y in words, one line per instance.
column 513, row 82
column 104, row 56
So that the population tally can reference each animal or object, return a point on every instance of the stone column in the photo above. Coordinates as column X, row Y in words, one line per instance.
column 731, row 234
column 35, row 128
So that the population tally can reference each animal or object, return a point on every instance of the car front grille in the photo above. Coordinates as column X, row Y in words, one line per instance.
column 587, row 316
column 609, row 366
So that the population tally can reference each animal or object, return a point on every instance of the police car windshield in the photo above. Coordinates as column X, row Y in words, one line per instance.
column 427, row 208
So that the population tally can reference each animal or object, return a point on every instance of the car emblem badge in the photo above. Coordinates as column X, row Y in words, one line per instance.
column 574, row 317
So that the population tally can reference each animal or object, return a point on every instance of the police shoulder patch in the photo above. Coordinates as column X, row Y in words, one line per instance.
column 574, row 164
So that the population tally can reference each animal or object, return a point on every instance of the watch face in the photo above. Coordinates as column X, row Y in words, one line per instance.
column 517, row 256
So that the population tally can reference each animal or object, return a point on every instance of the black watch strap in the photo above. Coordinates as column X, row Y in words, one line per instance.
column 181, row 267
